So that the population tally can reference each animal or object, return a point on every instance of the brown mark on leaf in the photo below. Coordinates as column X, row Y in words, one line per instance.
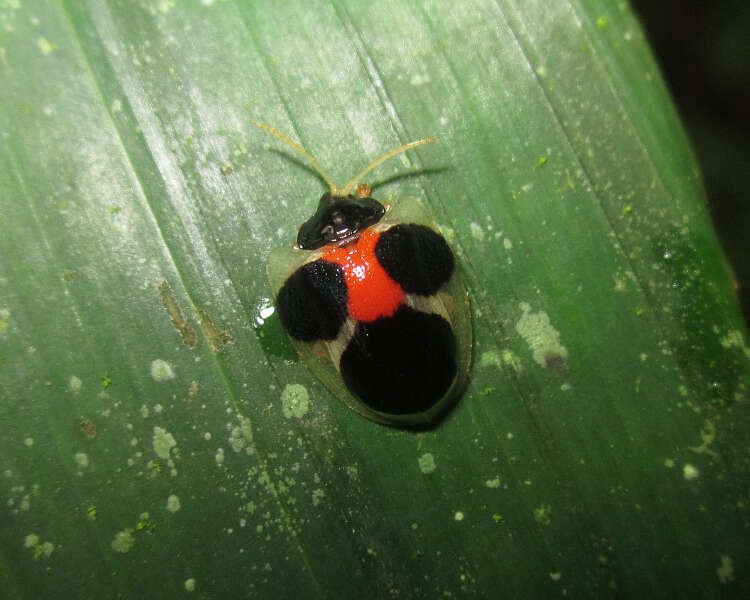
column 217, row 338
column 87, row 427
column 186, row 331
column 555, row 363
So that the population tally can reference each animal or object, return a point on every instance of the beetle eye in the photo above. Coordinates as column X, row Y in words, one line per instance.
column 328, row 233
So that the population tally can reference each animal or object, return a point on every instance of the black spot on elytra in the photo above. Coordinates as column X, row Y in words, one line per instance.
column 402, row 364
column 416, row 257
column 312, row 302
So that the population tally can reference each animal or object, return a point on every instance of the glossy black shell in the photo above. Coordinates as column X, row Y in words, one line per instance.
column 337, row 220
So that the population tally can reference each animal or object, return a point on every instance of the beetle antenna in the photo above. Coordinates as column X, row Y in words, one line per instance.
column 391, row 153
column 309, row 157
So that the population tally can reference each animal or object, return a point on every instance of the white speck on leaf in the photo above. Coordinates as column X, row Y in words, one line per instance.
column 427, row 463
column 161, row 370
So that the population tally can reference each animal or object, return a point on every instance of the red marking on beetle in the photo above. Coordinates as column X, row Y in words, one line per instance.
column 372, row 293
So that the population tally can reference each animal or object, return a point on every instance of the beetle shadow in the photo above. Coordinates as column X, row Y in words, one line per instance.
column 303, row 164
column 437, row 421
column 433, row 424
column 411, row 174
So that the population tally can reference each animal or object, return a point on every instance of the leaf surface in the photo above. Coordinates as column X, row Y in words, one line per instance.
column 159, row 435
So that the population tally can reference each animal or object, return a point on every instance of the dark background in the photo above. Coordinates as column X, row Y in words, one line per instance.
column 704, row 52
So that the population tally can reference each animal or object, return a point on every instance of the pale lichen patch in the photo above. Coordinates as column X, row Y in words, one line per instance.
column 165, row 6
column 735, row 339
column 512, row 360
column 419, row 79
column 295, row 401
column 491, row 358
column 32, row 541
column 173, row 503
column 241, row 436
column 45, row 46
column 75, row 384
column 689, row 472
column 81, row 460
column 123, row 541
column 542, row 514
column 542, row 338
column 708, row 434
column 163, row 442
column 725, row 571
column 161, row 370
column 427, row 463
column 476, row 231
column 4, row 321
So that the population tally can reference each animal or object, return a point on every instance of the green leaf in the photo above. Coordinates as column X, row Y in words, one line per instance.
column 146, row 449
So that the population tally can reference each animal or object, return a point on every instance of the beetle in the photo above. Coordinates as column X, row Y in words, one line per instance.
column 373, row 300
